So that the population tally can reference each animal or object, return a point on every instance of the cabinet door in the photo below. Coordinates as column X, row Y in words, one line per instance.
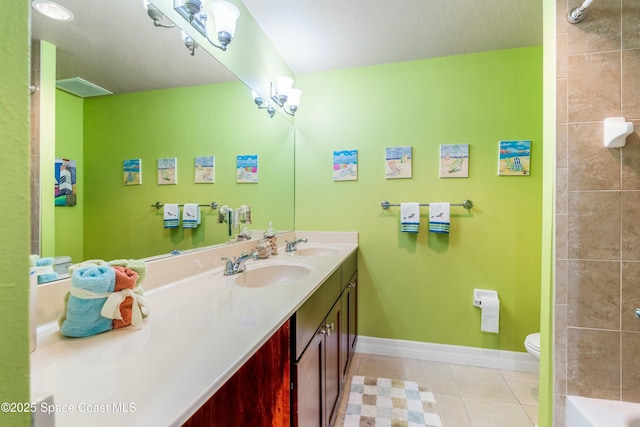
column 352, row 314
column 349, row 326
column 308, row 407
column 333, row 371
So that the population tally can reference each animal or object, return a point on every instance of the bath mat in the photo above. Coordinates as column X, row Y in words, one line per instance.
column 384, row 402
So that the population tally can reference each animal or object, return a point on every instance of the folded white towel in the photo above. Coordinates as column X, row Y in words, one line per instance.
column 171, row 215
column 409, row 217
column 439, row 217
column 191, row 215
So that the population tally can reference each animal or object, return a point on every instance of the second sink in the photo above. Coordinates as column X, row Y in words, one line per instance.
column 272, row 274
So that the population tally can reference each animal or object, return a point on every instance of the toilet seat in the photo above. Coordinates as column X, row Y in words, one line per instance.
column 532, row 344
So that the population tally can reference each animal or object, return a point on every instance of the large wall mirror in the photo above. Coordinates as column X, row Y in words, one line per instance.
column 166, row 104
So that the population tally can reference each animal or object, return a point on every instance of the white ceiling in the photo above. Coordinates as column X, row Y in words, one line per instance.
column 114, row 44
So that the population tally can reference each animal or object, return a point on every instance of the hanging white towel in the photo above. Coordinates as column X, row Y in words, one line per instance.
column 191, row 215
column 439, row 217
column 171, row 215
column 409, row 217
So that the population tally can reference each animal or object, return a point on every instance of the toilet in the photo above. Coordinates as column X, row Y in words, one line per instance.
column 61, row 264
column 532, row 344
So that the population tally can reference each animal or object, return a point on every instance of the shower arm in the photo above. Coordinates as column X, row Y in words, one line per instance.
column 577, row 14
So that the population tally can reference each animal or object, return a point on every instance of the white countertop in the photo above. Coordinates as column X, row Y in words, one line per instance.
column 200, row 331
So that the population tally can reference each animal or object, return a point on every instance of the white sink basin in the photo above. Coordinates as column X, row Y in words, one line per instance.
column 272, row 274
column 316, row 251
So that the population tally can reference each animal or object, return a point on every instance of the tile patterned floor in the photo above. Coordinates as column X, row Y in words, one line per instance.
column 466, row 396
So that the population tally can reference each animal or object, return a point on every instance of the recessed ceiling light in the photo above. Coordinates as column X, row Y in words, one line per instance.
column 52, row 10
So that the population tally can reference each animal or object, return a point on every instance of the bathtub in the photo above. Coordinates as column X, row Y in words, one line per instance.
column 587, row 412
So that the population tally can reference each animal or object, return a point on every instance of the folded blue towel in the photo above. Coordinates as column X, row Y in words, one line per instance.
column 40, row 262
column 83, row 316
column 47, row 277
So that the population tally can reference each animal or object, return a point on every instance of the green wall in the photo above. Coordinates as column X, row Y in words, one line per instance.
column 69, row 145
column 219, row 120
column 420, row 287
column 14, row 227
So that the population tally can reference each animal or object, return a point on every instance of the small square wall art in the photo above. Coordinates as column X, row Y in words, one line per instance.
column 167, row 171
column 247, row 169
column 345, row 165
column 397, row 162
column 205, row 169
column 132, row 170
column 454, row 161
column 514, row 158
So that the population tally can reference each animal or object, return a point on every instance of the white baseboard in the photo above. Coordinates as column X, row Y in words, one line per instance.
column 456, row 354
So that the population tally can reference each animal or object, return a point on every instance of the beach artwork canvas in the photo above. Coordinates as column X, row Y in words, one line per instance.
column 514, row 158
column 65, row 186
column 167, row 171
column 205, row 169
column 454, row 161
column 247, row 169
column 132, row 170
column 397, row 162
column 345, row 165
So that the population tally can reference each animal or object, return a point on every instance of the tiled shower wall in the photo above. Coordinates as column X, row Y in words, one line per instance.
column 597, row 285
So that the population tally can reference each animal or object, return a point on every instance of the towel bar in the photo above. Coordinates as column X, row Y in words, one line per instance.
column 467, row 204
column 158, row 205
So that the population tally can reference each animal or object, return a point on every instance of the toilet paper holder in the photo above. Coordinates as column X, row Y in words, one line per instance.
column 478, row 294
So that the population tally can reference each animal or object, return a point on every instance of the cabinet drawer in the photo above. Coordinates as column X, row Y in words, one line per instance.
column 309, row 317
column 349, row 266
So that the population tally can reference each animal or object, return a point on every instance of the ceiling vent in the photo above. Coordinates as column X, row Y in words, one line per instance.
column 82, row 88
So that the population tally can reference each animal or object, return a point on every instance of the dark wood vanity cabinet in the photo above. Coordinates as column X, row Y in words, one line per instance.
column 324, row 333
column 258, row 394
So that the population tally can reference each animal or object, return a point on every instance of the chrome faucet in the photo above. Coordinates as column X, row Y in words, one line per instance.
column 291, row 245
column 237, row 265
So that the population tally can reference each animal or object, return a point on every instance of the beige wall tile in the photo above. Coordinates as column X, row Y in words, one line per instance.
column 594, row 86
column 600, row 30
column 630, row 24
column 592, row 218
column 630, row 367
column 561, row 145
column 561, row 191
column 559, row 410
column 630, row 174
column 593, row 294
column 630, row 296
column 561, row 282
column 560, row 348
column 593, row 363
column 561, row 105
column 630, row 204
column 591, row 166
column 631, row 83
column 561, row 53
column 561, row 236
column 562, row 26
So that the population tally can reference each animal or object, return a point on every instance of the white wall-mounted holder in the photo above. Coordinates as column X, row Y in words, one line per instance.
column 616, row 130
column 479, row 294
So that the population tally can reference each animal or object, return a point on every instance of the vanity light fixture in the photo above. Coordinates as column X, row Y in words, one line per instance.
column 285, row 95
column 52, row 10
column 262, row 104
column 157, row 16
column 189, row 42
column 225, row 15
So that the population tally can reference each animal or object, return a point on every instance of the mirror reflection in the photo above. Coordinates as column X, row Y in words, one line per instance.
column 167, row 104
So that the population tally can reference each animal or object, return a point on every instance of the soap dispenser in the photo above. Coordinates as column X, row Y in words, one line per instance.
column 272, row 238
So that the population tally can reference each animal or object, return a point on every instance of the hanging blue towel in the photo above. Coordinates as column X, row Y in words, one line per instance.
column 171, row 215
column 409, row 217
column 439, row 217
column 191, row 215
column 83, row 316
